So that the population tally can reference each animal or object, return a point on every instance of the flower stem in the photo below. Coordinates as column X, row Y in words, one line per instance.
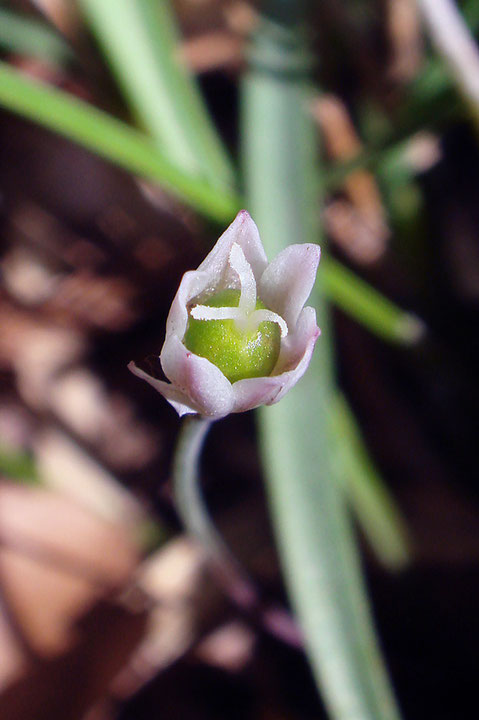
column 195, row 517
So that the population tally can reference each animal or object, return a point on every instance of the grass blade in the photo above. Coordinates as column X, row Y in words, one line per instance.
column 369, row 498
column 140, row 41
column 110, row 138
column 369, row 307
column 26, row 36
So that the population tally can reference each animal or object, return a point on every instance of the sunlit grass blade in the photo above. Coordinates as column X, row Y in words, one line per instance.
column 110, row 138
column 310, row 515
column 369, row 307
column 140, row 41
column 26, row 36
column 375, row 509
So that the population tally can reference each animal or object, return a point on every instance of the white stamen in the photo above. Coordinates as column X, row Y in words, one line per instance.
column 245, row 315
column 259, row 316
column 241, row 266
column 204, row 312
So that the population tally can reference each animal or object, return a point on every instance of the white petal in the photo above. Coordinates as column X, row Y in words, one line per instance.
column 192, row 283
column 253, row 392
column 296, row 352
column 175, row 397
column 287, row 282
column 244, row 232
column 201, row 381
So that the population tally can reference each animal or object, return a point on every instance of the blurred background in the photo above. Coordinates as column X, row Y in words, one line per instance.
column 107, row 608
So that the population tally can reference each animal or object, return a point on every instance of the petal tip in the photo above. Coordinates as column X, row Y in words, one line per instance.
column 244, row 219
column 315, row 250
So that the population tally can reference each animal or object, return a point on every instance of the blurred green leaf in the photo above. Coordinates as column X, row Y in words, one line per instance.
column 369, row 307
column 110, row 138
column 374, row 507
column 18, row 466
column 470, row 10
column 24, row 35
column 141, row 42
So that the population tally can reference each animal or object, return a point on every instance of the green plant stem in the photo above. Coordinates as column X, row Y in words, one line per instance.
column 313, row 527
column 187, row 495
column 196, row 519
column 194, row 513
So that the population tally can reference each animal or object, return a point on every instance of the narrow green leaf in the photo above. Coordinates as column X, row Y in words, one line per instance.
column 110, row 138
column 375, row 509
column 310, row 515
column 369, row 307
column 141, row 42
column 24, row 35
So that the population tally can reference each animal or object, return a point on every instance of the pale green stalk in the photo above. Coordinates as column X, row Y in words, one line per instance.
column 194, row 514
column 313, row 526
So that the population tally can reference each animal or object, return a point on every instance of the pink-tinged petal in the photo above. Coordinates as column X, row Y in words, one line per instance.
column 287, row 282
column 296, row 352
column 253, row 392
column 201, row 381
column 244, row 232
column 175, row 397
column 192, row 284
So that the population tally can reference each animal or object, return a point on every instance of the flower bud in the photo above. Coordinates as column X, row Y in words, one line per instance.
column 237, row 335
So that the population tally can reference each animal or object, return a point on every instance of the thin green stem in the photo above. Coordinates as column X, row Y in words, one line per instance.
column 196, row 519
column 188, row 498
column 193, row 512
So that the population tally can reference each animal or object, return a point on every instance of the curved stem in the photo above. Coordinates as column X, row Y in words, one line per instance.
column 195, row 517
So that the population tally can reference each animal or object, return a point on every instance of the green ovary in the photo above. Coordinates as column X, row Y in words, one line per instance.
column 238, row 354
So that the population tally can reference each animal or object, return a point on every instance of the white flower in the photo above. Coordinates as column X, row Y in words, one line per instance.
column 273, row 294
